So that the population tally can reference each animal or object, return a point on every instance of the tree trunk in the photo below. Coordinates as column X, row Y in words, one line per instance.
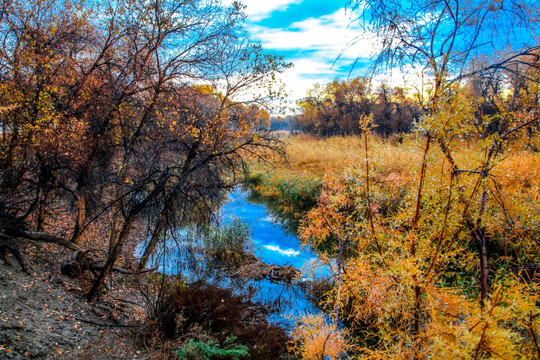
column 154, row 240
column 113, row 256
column 81, row 217
column 480, row 238
column 115, row 230
column 123, row 236
column 483, row 267
column 169, row 203
column 45, row 176
column 41, row 210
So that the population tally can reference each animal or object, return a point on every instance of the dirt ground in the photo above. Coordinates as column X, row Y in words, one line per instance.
column 43, row 314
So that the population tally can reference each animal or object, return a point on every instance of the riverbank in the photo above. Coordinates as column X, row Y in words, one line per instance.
column 440, row 238
column 43, row 314
column 292, row 187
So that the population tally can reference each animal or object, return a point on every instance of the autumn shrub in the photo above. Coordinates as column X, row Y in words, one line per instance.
column 229, row 245
column 316, row 338
column 210, row 315
column 378, row 293
column 436, row 256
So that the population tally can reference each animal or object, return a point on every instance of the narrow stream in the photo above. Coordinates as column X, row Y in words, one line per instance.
column 273, row 245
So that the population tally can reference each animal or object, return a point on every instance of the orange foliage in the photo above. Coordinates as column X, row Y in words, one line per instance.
column 314, row 339
column 439, row 257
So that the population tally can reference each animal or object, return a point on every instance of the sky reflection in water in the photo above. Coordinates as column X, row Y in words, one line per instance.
column 273, row 245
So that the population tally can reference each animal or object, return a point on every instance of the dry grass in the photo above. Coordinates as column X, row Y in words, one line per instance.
column 395, row 161
column 520, row 169
column 311, row 157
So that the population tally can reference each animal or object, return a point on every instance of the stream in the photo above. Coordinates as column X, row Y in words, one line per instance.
column 273, row 245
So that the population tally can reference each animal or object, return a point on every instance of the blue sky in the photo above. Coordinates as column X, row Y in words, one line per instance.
column 311, row 34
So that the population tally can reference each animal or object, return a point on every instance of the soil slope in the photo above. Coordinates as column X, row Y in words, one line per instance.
column 43, row 314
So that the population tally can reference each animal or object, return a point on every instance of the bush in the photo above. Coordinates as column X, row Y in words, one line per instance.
column 230, row 245
column 213, row 316
column 201, row 350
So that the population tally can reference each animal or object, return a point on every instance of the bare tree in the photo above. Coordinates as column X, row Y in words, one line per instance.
column 442, row 37
column 109, row 113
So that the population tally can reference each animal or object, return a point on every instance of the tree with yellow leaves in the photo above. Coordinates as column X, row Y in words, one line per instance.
column 434, row 258
column 442, row 252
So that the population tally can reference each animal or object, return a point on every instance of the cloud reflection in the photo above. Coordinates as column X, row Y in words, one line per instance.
column 287, row 252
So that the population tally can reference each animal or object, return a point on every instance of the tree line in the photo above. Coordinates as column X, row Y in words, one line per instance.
column 336, row 108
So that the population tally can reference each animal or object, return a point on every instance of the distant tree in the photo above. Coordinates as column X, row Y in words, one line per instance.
column 393, row 111
column 337, row 107
column 281, row 123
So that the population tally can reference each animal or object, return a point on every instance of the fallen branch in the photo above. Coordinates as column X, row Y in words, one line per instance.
column 7, row 246
column 259, row 270
column 122, row 271
column 79, row 262
column 10, row 327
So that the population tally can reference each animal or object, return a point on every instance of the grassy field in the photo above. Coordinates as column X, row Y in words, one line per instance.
column 309, row 159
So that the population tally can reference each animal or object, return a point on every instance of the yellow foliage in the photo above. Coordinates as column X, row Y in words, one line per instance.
column 406, row 217
column 398, row 273
column 315, row 339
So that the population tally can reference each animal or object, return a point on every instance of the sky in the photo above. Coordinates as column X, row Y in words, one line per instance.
column 324, row 43
column 312, row 34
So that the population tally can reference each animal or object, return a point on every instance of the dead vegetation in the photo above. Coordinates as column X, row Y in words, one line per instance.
column 204, row 312
column 258, row 270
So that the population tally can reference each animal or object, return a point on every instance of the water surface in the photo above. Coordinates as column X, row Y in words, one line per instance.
column 273, row 245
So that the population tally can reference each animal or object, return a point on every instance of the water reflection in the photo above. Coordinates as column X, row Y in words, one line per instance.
column 181, row 254
column 273, row 243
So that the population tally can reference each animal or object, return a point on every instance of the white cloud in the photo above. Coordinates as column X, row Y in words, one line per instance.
column 318, row 42
column 299, row 78
column 322, row 49
column 261, row 9
column 330, row 33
